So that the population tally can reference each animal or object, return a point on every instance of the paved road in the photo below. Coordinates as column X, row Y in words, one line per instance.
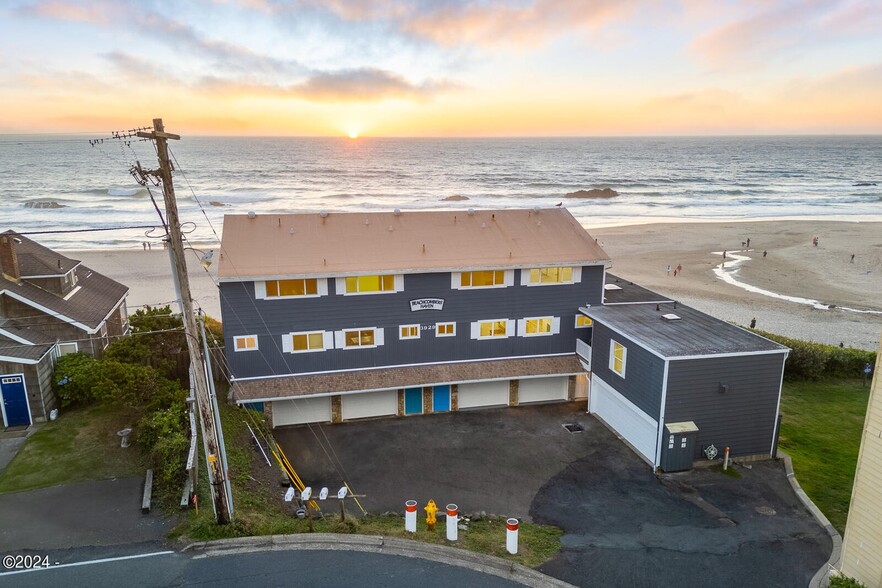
column 328, row 569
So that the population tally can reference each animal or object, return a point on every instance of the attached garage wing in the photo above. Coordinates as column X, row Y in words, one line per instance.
column 542, row 389
column 637, row 427
column 370, row 404
column 302, row 410
column 481, row 394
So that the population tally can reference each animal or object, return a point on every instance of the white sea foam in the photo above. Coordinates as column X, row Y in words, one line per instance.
column 728, row 271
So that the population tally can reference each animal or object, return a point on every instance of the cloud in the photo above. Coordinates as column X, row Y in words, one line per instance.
column 59, row 10
column 483, row 22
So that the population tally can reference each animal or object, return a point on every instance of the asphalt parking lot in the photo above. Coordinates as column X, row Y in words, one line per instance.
column 624, row 526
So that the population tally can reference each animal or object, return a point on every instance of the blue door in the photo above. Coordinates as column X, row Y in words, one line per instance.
column 413, row 401
column 441, row 399
column 15, row 402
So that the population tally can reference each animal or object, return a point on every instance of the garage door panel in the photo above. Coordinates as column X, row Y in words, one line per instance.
column 480, row 394
column 300, row 411
column 370, row 404
column 624, row 417
column 542, row 390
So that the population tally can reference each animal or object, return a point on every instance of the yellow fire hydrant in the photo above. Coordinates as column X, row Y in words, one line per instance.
column 431, row 509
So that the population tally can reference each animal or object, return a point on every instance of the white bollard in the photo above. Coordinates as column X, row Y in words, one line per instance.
column 452, row 522
column 511, row 536
column 410, row 508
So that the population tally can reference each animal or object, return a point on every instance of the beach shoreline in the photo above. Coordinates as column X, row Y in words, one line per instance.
column 793, row 267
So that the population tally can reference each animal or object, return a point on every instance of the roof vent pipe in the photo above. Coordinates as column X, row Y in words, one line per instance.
column 675, row 304
column 657, row 308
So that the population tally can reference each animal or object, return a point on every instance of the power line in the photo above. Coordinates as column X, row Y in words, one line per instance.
column 89, row 230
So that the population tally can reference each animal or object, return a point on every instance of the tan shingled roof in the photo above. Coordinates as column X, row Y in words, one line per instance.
column 273, row 245
column 403, row 377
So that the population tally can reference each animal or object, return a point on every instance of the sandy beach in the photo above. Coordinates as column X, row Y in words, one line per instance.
column 793, row 267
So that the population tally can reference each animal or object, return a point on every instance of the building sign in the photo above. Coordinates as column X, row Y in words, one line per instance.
column 427, row 304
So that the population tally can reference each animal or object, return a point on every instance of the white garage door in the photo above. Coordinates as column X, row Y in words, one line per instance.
column 304, row 410
column 542, row 390
column 370, row 404
column 624, row 417
column 483, row 394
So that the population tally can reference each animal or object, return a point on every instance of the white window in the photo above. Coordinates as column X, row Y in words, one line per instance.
column 481, row 279
column 293, row 288
column 583, row 321
column 245, row 343
column 105, row 341
column 618, row 356
column 445, row 329
column 307, row 341
column 370, row 284
column 409, row 332
column 493, row 329
column 539, row 326
column 358, row 338
column 65, row 348
column 548, row 276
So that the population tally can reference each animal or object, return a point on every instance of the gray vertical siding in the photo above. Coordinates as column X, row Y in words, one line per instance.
column 242, row 314
column 743, row 418
column 644, row 372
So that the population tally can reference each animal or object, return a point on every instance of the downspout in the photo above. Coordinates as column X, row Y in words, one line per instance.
column 661, row 415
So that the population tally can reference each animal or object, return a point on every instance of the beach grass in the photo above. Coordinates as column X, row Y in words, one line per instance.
column 80, row 445
column 259, row 511
column 821, row 431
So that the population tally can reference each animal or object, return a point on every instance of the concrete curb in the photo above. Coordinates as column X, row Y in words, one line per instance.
column 822, row 576
column 454, row 556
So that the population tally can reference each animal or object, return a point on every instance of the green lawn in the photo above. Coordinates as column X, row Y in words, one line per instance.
column 81, row 445
column 821, row 430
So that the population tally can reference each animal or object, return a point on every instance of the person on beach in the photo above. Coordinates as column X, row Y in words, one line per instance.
column 753, row 323
column 724, row 254
column 679, row 269
column 765, row 253
column 852, row 258
column 144, row 245
column 149, row 246
column 669, row 269
column 748, row 241
column 675, row 273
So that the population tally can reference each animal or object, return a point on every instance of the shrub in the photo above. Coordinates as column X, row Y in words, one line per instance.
column 75, row 378
column 162, row 435
column 845, row 582
column 814, row 361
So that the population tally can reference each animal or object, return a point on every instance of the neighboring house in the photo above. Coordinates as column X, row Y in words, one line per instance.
column 50, row 305
column 862, row 546
column 341, row 316
column 673, row 381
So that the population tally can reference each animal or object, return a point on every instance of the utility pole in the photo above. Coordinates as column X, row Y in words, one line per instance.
column 217, row 467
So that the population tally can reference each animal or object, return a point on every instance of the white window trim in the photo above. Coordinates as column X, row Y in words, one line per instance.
column 453, row 334
column 578, row 326
column 61, row 343
column 612, row 358
column 288, row 342
column 522, row 326
column 510, row 329
column 400, row 336
column 576, row 277
column 340, row 338
column 260, row 289
column 456, row 280
column 397, row 286
column 236, row 340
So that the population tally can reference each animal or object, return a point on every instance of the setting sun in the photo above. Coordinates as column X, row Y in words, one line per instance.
column 353, row 134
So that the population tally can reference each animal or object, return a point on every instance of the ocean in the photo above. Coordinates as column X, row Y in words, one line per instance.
column 658, row 179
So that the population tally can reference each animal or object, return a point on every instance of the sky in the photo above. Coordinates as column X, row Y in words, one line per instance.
column 442, row 68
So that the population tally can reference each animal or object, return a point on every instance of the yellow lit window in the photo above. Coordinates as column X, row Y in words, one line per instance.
column 308, row 341
column 362, row 338
column 618, row 354
column 245, row 343
column 280, row 288
column 410, row 332
column 538, row 326
column 551, row 275
column 482, row 279
column 445, row 329
column 493, row 328
column 361, row 284
column 583, row 321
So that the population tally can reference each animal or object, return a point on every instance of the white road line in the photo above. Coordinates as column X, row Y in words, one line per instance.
column 86, row 563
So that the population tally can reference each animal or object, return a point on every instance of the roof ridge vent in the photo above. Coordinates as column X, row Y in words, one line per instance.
column 671, row 317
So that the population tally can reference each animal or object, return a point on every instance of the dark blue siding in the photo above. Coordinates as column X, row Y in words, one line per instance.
column 244, row 315
column 742, row 418
column 644, row 372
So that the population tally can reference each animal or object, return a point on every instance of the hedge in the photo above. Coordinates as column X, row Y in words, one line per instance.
column 815, row 361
